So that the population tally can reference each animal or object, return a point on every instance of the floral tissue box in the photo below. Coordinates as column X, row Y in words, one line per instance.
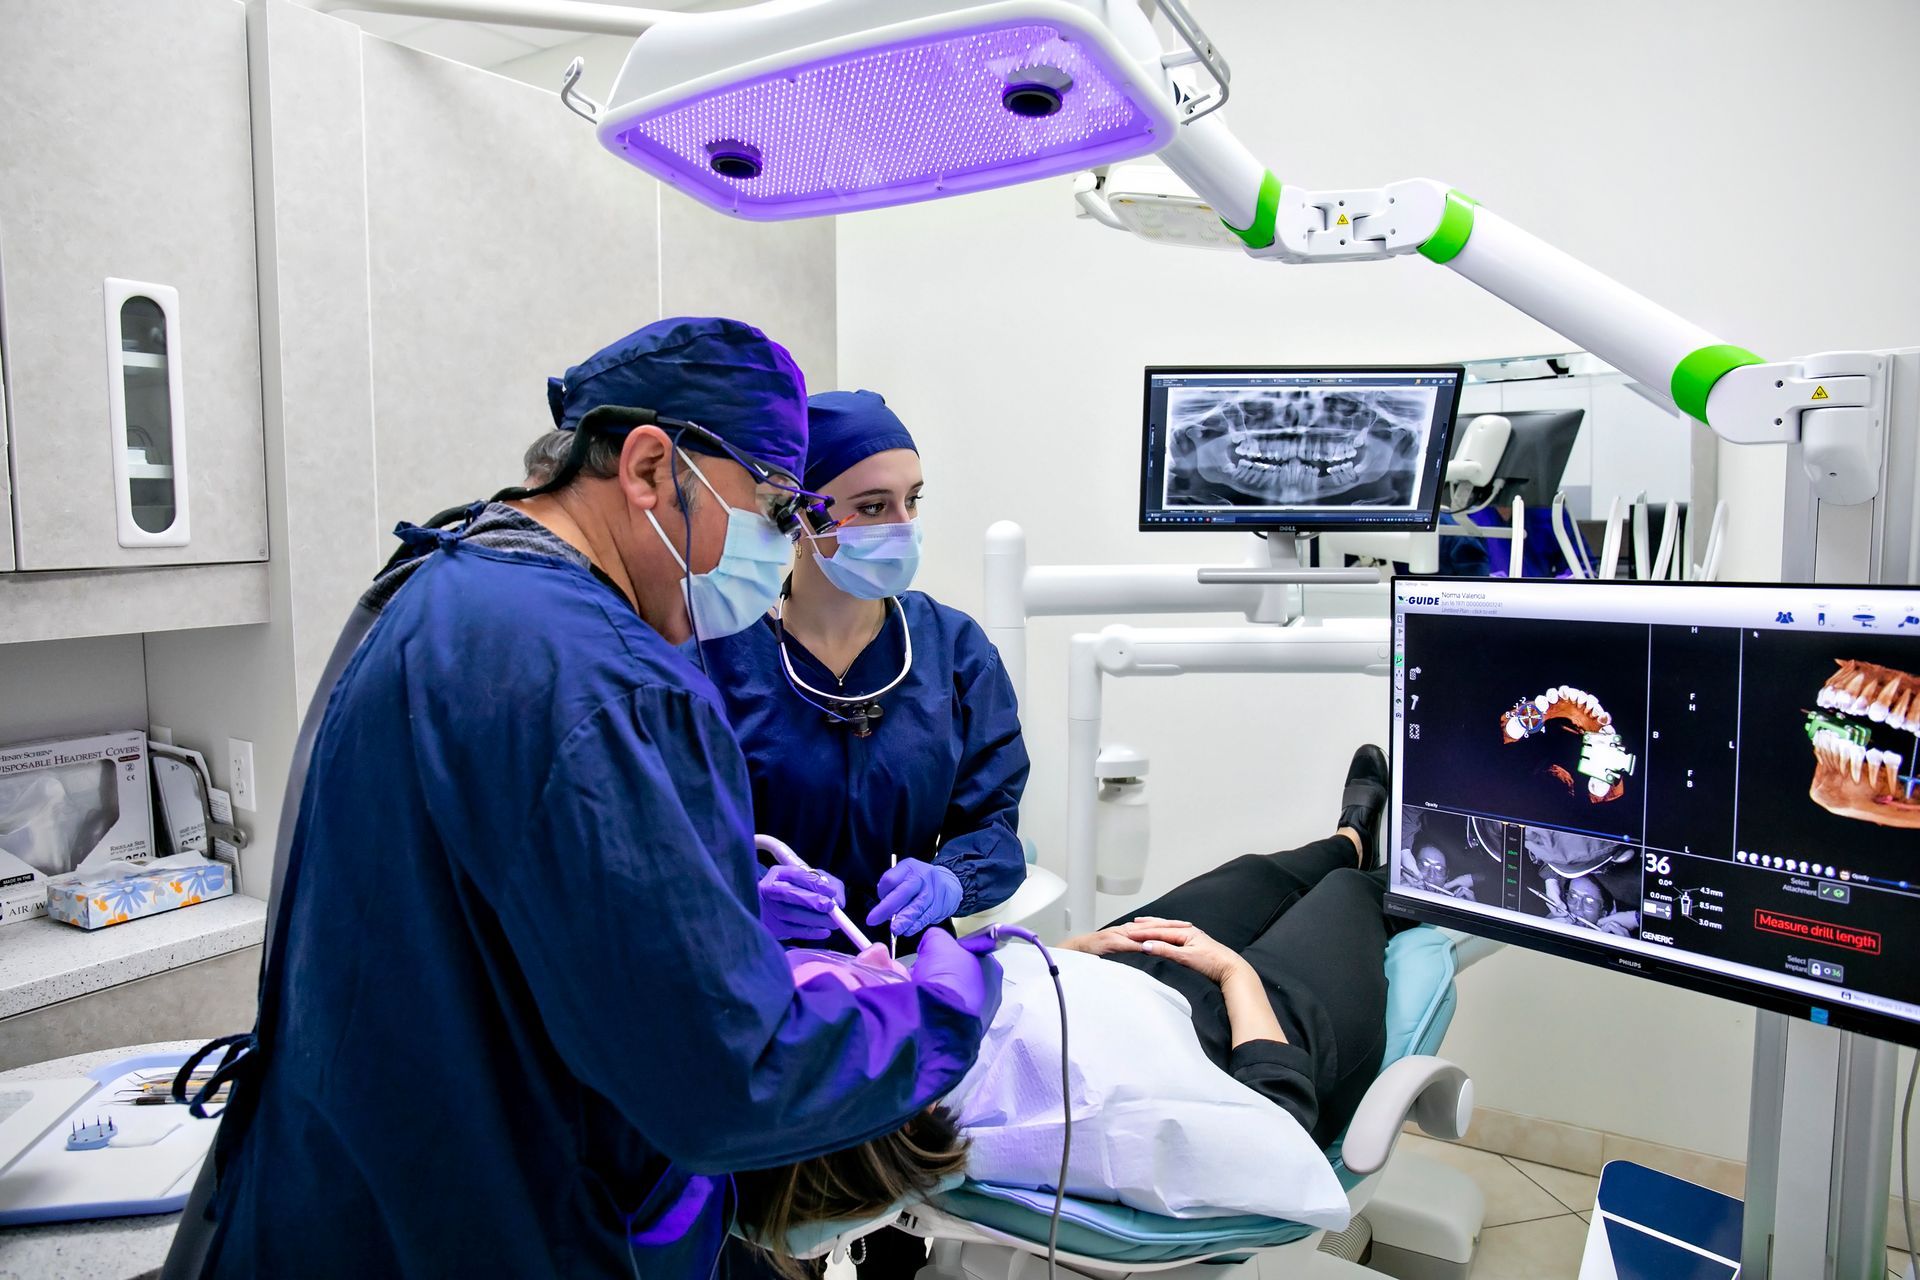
column 122, row 891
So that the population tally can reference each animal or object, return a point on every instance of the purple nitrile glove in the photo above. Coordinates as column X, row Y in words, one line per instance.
column 964, row 981
column 794, row 902
column 915, row 894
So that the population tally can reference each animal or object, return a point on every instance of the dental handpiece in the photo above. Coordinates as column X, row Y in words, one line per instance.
column 781, row 853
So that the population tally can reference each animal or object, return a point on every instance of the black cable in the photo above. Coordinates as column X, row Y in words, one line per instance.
column 996, row 933
column 1066, row 1111
column 1906, row 1185
column 686, row 571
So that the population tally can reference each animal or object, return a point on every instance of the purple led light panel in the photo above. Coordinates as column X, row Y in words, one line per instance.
column 891, row 125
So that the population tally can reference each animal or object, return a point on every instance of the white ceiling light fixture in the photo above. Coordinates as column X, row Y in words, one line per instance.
column 797, row 108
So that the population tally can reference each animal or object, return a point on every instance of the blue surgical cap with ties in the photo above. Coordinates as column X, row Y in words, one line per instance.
column 721, row 374
column 845, row 427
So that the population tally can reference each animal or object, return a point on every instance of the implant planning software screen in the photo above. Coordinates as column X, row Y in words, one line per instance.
column 1709, row 785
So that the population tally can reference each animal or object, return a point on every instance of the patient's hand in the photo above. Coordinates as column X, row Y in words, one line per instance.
column 1179, row 941
column 1104, row 943
column 1249, row 1009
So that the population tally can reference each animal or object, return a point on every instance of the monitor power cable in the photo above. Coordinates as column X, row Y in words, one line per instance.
column 1906, row 1180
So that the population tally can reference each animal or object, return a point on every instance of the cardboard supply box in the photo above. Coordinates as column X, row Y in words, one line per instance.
column 25, row 901
column 122, row 891
column 70, row 806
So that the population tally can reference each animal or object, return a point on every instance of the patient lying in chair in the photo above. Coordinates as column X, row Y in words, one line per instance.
column 1216, row 1043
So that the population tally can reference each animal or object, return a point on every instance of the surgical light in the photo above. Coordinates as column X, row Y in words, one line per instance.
column 1152, row 202
column 797, row 108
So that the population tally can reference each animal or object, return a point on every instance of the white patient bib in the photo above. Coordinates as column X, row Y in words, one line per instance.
column 1156, row 1126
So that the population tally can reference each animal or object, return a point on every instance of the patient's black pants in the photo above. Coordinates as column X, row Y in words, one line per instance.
column 1310, row 924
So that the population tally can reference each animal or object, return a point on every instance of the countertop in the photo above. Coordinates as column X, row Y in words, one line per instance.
column 43, row 961
column 110, row 1249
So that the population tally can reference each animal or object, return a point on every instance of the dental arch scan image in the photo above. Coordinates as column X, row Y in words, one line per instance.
column 1294, row 446
column 1711, row 784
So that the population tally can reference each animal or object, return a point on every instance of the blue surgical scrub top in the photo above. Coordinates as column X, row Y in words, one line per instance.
column 940, row 776
column 520, row 1002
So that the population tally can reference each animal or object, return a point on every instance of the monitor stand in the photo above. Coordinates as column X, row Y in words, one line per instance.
column 1819, row 1152
column 1286, row 568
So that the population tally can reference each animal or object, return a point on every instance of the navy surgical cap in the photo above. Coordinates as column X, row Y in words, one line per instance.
column 724, row 375
column 845, row 427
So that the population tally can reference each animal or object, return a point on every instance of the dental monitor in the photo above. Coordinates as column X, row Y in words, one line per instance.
column 1262, row 448
column 1713, row 786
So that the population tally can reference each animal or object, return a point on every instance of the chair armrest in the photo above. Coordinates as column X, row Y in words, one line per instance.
column 1470, row 949
column 1037, row 893
column 1432, row 1092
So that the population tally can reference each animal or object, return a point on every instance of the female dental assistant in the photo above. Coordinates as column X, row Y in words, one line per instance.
column 879, row 726
column 518, row 1016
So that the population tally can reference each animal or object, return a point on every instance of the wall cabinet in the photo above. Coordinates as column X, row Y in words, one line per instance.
column 129, row 310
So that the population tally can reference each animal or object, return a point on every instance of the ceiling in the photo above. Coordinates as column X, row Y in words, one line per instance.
column 490, row 46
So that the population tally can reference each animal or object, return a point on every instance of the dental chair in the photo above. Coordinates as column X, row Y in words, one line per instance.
column 1421, row 1219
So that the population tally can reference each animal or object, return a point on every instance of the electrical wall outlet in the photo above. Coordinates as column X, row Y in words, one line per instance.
column 240, row 773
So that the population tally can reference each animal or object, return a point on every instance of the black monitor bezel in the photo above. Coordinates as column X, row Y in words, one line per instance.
column 1747, row 991
column 1336, row 526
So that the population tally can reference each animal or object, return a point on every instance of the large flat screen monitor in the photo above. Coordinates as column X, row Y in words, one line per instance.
column 1324, row 447
column 1713, row 786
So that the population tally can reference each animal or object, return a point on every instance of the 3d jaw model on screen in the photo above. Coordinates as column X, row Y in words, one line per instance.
column 1297, row 446
column 1852, row 777
column 1604, row 761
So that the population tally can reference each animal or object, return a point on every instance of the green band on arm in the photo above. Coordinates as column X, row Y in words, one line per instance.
column 1456, row 225
column 1694, row 376
column 1266, row 213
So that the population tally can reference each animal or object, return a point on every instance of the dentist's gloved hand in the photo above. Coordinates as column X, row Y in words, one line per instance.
column 963, row 980
column 915, row 894
column 794, row 902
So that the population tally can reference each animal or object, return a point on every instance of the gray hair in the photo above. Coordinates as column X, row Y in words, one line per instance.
column 547, row 455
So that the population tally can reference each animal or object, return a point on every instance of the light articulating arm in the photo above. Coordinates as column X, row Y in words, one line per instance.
column 1832, row 403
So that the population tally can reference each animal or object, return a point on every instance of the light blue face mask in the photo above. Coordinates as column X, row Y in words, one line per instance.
column 875, row 561
column 731, row 596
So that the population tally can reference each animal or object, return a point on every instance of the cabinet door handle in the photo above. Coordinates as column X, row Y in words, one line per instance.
column 147, row 418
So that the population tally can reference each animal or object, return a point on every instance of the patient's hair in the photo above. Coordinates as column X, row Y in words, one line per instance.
column 859, row 1182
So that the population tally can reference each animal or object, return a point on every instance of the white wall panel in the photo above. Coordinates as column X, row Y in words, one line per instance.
column 505, row 246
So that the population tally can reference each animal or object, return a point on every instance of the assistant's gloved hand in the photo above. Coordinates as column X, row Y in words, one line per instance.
column 794, row 902
column 915, row 894
column 963, row 980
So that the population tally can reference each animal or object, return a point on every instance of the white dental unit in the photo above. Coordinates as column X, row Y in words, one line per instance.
column 803, row 108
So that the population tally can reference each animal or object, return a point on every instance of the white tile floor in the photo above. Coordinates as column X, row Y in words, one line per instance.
column 1537, row 1216
column 1536, row 1225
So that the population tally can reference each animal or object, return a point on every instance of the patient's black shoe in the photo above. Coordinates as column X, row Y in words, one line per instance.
column 1364, row 802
